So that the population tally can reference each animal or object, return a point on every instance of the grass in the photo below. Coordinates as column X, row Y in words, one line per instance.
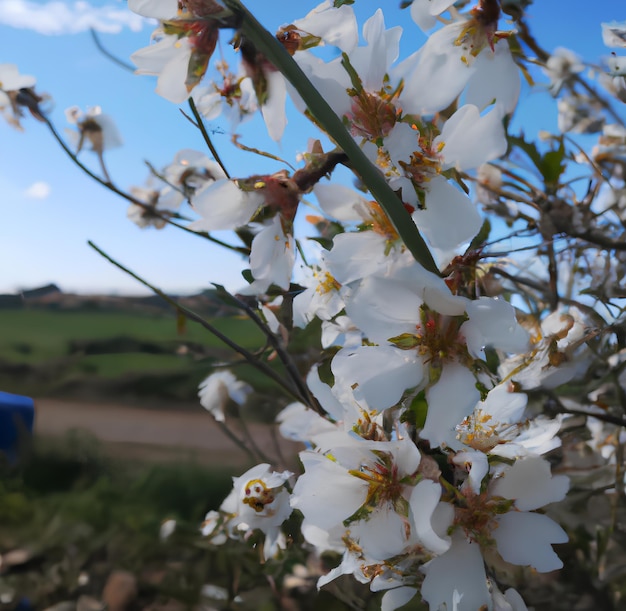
column 105, row 354
column 116, row 365
column 33, row 336
column 76, row 513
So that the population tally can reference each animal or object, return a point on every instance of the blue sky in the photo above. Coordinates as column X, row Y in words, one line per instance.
column 50, row 209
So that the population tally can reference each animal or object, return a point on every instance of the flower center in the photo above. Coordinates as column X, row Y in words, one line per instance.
column 372, row 115
column 481, row 432
column 437, row 338
column 480, row 30
column 326, row 283
column 475, row 514
column 385, row 486
column 257, row 495
column 376, row 219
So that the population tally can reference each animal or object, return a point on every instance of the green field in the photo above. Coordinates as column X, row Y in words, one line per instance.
column 101, row 353
column 36, row 335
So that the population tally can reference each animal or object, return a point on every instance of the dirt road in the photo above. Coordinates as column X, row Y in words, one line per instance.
column 159, row 434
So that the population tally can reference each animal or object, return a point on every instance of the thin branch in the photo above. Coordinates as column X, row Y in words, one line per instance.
column 251, row 358
column 240, row 443
column 594, row 237
column 242, row 250
column 108, row 54
column 523, row 281
column 283, row 355
column 109, row 185
column 259, row 454
column 581, row 412
column 250, row 149
column 543, row 55
column 199, row 123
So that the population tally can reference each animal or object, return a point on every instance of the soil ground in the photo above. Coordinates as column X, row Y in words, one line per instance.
column 160, row 435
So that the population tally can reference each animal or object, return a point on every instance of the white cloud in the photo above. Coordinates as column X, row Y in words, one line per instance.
column 57, row 17
column 38, row 190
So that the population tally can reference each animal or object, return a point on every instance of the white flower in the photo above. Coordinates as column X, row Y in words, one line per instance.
column 154, row 212
column 223, row 205
column 97, row 128
column 213, row 527
column 498, row 426
column 273, row 108
column 616, row 65
column 383, row 511
column 614, row 33
column 579, row 114
column 424, row 12
column 508, row 521
column 334, row 26
column 371, row 476
column 340, row 332
column 560, row 67
column 450, row 400
column 234, row 98
column 300, row 423
column 167, row 529
column 12, row 80
column 409, row 315
column 321, row 299
column 271, row 258
column 452, row 57
column 460, row 571
column 558, row 352
column 190, row 170
column 492, row 322
column 217, row 389
column 467, row 140
column 259, row 501
column 168, row 59
column 157, row 9
column 524, row 537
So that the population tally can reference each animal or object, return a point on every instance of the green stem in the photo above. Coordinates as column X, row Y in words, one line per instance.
column 326, row 117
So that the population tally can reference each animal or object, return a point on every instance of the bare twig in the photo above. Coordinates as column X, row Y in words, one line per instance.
column 199, row 123
column 108, row 54
column 190, row 314
column 275, row 342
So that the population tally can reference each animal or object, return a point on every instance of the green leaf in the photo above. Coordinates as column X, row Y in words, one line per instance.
column 419, row 407
column 552, row 165
column 530, row 148
column 326, row 243
column 405, row 341
column 225, row 297
column 481, row 237
column 355, row 79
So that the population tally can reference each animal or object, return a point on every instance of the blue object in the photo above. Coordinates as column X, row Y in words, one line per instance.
column 17, row 415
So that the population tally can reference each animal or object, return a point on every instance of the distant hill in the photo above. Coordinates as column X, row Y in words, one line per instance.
column 52, row 297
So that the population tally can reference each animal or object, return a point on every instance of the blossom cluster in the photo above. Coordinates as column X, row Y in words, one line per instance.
column 425, row 468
